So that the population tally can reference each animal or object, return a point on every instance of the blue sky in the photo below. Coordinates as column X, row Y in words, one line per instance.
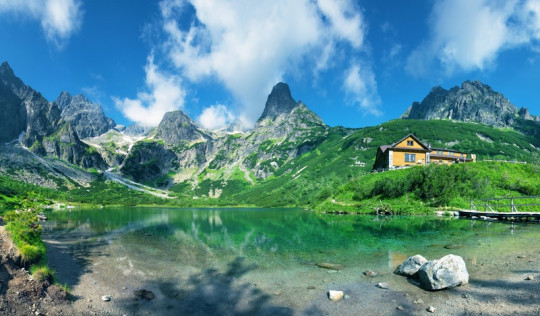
column 354, row 63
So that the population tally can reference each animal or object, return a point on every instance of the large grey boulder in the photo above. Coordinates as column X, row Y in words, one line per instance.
column 449, row 271
column 411, row 266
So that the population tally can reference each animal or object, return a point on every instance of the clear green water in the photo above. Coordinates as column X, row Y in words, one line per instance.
column 145, row 245
column 279, row 237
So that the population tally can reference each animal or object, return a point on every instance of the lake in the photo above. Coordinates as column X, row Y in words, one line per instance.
column 244, row 261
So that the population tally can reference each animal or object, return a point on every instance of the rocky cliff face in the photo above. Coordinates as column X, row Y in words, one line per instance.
column 472, row 102
column 13, row 114
column 87, row 118
column 45, row 132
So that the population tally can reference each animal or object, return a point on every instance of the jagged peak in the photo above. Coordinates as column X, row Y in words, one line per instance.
column 279, row 101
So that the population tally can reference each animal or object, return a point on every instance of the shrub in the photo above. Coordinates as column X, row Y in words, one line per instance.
column 30, row 253
column 42, row 273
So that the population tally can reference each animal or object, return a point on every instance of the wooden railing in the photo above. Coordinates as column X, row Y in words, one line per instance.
column 488, row 206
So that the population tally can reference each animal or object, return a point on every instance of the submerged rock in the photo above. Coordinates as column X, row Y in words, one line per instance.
column 383, row 285
column 411, row 266
column 449, row 271
column 106, row 298
column 331, row 266
column 371, row 273
column 144, row 294
column 335, row 295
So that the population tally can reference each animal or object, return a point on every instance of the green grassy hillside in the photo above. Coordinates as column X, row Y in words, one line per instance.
column 347, row 155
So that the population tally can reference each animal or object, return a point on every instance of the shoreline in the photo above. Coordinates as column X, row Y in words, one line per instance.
column 497, row 286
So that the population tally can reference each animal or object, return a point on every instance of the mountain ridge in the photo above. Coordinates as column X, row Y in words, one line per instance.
column 474, row 101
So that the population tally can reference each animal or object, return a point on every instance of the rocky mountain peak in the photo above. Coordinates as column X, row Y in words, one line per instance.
column 176, row 126
column 472, row 102
column 280, row 101
column 87, row 118
column 12, row 82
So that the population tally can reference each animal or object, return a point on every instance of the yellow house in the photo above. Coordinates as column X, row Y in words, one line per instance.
column 410, row 151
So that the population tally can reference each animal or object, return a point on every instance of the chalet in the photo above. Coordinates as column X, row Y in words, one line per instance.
column 410, row 151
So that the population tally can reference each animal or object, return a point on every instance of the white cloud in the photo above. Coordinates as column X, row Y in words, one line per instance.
column 249, row 46
column 470, row 34
column 165, row 94
column 59, row 18
column 361, row 87
column 215, row 116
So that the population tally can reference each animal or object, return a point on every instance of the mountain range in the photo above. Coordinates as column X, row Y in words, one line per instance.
column 289, row 147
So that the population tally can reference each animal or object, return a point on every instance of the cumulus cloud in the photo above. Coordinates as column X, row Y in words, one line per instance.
column 361, row 87
column 215, row 117
column 164, row 93
column 59, row 18
column 470, row 34
column 248, row 46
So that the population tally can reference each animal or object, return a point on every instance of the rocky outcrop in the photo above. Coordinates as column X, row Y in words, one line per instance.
column 472, row 102
column 449, row 271
column 411, row 266
column 148, row 160
column 87, row 118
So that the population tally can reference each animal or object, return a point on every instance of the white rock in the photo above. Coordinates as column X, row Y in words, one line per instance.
column 411, row 266
column 106, row 298
column 383, row 285
column 449, row 271
column 335, row 295
column 431, row 309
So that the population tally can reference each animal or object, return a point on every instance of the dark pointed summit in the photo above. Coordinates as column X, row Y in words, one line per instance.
column 279, row 101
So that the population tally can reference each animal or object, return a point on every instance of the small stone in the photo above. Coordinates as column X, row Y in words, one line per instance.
column 277, row 293
column 529, row 278
column 332, row 271
column 335, row 295
column 522, row 256
column 310, row 287
column 431, row 309
column 106, row 298
column 453, row 246
column 331, row 266
column 371, row 273
column 347, row 297
column 465, row 296
column 124, row 288
column 383, row 285
column 419, row 301
column 400, row 308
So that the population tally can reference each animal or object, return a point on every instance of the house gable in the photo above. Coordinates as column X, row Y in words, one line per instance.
column 410, row 142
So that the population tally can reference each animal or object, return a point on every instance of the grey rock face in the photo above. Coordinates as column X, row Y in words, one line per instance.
column 176, row 127
column 449, row 271
column 12, row 115
column 149, row 160
column 472, row 102
column 87, row 118
column 45, row 131
column 411, row 266
column 279, row 102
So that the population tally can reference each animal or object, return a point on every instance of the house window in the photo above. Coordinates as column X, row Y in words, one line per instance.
column 410, row 157
column 410, row 143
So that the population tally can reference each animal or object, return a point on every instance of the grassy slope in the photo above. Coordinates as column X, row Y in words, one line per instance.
column 420, row 189
column 346, row 155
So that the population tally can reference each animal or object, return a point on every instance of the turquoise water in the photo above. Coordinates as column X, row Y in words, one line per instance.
column 279, row 237
column 274, row 250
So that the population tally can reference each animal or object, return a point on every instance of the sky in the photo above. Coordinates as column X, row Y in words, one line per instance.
column 354, row 63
